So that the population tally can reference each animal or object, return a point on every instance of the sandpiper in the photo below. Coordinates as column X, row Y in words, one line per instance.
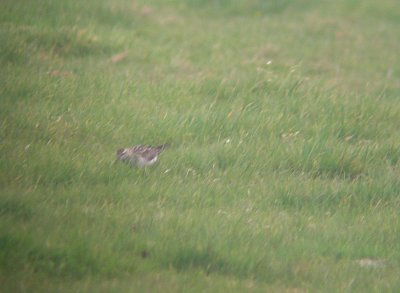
column 140, row 155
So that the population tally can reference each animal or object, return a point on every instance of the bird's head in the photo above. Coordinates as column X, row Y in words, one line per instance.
column 120, row 152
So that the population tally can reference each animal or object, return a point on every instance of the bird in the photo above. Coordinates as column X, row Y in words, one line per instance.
column 140, row 155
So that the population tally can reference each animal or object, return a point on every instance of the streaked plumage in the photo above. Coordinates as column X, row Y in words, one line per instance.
column 140, row 155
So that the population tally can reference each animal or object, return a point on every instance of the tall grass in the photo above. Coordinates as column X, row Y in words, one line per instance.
column 283, row 171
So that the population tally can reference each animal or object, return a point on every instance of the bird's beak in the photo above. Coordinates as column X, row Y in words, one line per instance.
column 114, row 162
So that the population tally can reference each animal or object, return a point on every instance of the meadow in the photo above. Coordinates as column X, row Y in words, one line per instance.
column 283, row 173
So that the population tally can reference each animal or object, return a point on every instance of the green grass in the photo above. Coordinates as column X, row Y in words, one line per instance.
column 284, row 168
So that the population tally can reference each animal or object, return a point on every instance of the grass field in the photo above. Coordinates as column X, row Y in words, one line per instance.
column 283, row 173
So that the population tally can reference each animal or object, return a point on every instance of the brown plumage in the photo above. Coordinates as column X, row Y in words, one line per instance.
column 140, row 155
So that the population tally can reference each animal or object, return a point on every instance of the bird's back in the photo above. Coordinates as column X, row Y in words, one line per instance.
column 142, row 154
